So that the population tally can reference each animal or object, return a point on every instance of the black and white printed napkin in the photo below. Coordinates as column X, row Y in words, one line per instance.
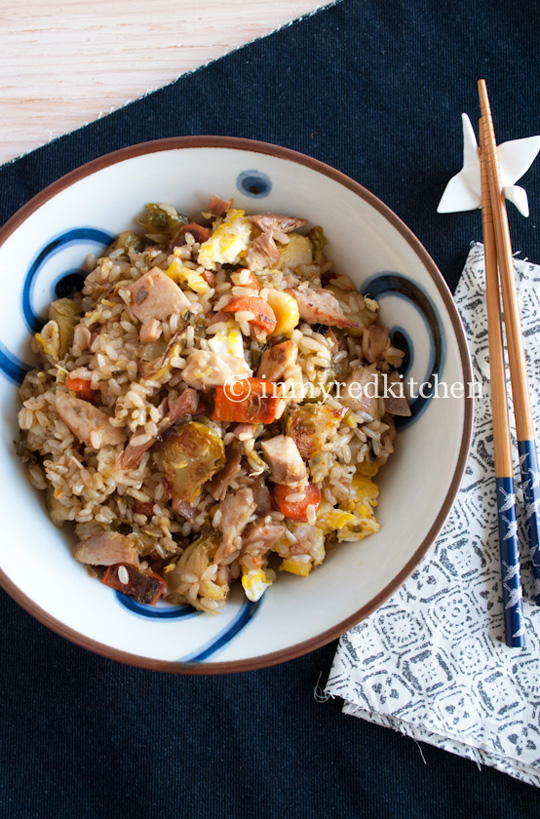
column 432, row 662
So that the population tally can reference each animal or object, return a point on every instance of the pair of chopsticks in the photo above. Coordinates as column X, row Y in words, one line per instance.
column 499, row 267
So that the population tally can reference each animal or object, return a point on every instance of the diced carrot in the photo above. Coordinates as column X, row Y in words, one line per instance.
column 297, row 510
column 145, row 588
column 263, row 314
column 251, row 281
column 249, row 401
column 240, row 278
column 209, row 278
column 82, row 387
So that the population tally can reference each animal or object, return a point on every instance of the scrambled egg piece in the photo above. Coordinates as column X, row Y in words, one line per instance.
column 363, row 498
column 255, row 583
column 208, row 588
column 299, row 564
column 330, row 519
column 179, row 273
column 228, row 341
column 49, row 339
column 229, row 240
column 310, row 543
column 368, row 469
column 296, row 252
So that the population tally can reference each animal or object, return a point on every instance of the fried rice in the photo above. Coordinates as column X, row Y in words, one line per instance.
column 200, row 412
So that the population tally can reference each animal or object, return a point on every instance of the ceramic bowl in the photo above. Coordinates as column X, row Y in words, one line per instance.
column 41, row 250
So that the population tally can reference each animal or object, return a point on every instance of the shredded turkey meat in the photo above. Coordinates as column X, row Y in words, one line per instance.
column 205, row 370
column 106, row 549
column 263, row 252
column 285, row 462
column 277, row 221
column 236, row 511
column 88, row 423
column 320, row 307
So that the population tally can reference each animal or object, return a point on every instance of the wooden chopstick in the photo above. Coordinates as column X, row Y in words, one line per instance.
column 528, row 458
column 502, row 443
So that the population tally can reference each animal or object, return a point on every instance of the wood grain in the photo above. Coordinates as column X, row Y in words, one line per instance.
column 502, row 441
column 505, row 260
column 65, row 64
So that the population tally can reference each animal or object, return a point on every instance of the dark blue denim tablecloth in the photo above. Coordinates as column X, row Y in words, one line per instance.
column 375, row 89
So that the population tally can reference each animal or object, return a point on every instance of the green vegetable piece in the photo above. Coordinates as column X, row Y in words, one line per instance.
column 198, row 322
column 161, row 223
column 190, row 455
column 195, row 560
column 66, row 314
column 318, row 243
column 128, row 240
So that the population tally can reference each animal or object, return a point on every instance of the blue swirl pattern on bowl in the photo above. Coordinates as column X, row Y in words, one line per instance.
column 389, row 283
column 11, row 367
column 168, row 612
column 82, row 235
column 242, row 618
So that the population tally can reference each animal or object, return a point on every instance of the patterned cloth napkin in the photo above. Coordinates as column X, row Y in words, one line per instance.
column 432, row 662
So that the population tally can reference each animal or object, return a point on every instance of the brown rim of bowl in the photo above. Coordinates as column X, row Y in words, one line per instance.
column 336, row 631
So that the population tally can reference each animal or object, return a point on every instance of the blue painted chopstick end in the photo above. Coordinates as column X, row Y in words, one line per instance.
column 530, row 482
column 514, row 624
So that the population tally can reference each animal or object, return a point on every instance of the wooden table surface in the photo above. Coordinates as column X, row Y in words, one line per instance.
column 63, row 64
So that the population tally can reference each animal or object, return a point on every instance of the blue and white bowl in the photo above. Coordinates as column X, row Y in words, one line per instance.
column 41, row 250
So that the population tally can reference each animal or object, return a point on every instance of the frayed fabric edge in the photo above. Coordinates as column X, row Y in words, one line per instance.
column 150, row 91
column 451, row 744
